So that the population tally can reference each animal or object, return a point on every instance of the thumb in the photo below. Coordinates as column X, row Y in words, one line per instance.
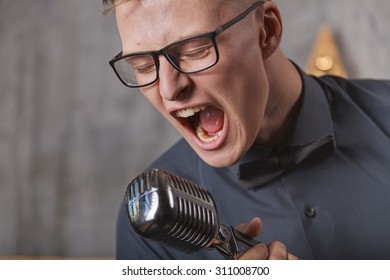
column 252, row 229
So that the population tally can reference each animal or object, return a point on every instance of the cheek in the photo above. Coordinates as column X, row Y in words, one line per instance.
column 246, row 101
column 244, row 74
column 245, row 91
column 154, row 98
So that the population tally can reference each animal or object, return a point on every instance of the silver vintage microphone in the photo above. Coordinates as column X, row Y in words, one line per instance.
column 180, row 214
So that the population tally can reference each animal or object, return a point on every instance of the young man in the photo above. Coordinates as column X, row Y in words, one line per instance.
column 307, row 155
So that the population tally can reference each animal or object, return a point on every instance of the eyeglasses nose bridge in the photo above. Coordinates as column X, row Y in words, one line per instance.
column 165, row 54
column 170, row 70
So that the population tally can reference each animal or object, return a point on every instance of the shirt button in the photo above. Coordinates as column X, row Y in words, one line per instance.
column 310, row 212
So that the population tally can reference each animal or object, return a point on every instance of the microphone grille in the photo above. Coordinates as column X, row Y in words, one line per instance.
column 196, row 221
column 184, row 214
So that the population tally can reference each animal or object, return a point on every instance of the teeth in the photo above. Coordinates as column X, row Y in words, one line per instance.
column 202, row 135
column 189, row 112
column 205, row 137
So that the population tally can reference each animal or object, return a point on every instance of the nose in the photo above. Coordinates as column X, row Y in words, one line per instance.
column 173, row 85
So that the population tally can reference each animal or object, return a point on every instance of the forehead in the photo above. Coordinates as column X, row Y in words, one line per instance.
column 152, row 24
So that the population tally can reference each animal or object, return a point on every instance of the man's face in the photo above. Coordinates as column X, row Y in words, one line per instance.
column 219, row 111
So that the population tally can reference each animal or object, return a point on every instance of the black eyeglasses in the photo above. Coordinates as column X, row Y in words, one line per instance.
column 188, row 56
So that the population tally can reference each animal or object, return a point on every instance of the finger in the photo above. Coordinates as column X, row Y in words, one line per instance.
column 291, row 256
column 252, row 228
column 258, row 252
column 277, row 251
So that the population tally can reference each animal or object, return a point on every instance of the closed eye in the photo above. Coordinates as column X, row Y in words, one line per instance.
column 144, row 69
column 197, row 53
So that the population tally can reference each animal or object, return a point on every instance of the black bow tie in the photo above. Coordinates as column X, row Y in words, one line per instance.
column 286, row 159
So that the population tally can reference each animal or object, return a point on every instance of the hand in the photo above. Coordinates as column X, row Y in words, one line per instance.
column 275, row 250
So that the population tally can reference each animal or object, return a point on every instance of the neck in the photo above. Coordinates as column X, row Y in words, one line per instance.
column 285, row 88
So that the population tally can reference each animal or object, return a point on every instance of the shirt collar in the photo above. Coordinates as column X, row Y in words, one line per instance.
column 313, row 121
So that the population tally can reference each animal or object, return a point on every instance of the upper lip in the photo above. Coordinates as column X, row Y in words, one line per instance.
column 189, row 121
column 189, row 112
column 175, row 111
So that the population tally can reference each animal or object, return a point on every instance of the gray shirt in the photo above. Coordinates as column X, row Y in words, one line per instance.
column 336, row 208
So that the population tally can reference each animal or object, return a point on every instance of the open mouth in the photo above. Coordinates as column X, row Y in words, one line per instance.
column 206, row 122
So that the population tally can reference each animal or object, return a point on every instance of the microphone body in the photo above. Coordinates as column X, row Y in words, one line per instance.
column 180, row 214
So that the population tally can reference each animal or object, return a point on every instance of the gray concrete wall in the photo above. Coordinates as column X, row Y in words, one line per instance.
column 72, row 137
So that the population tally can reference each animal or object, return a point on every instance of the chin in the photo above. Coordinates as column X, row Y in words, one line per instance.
column 219, row 159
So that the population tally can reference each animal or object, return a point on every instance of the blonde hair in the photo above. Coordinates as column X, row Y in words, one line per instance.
column 111, row 4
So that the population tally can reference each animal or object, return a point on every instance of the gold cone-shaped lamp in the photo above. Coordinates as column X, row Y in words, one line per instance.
column 325, row 57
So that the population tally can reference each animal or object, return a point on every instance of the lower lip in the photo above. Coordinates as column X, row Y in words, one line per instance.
column 214, row 144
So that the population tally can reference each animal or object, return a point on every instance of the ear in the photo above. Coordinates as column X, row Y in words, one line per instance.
column 271, row 29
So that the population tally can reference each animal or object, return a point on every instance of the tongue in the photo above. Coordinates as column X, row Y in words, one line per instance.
column 211, row 119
